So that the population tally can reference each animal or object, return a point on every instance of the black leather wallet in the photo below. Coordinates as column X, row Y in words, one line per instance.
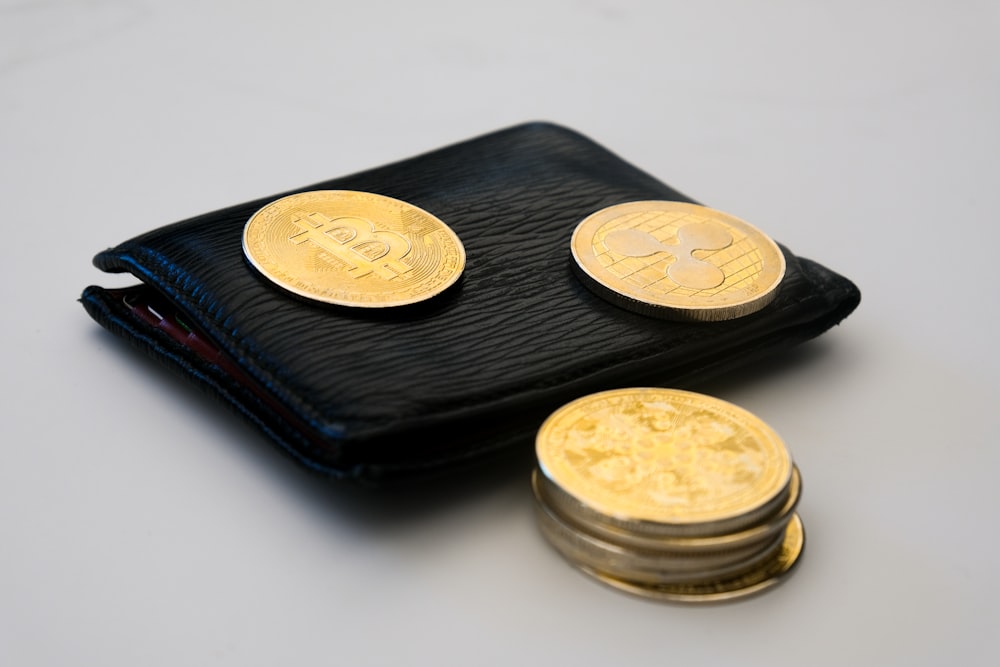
column 377, row 395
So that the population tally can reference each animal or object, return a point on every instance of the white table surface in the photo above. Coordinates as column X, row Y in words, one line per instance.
column 141, row 524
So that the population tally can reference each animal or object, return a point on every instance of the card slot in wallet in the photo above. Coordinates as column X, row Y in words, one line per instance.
column 409, row 392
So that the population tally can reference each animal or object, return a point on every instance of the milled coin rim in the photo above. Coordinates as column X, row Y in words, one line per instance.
column 312, row 296
column 648, row 564
column 650, row 535
column 751, row 583
column 587, row 267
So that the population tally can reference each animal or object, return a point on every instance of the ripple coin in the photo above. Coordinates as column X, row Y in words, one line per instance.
column 677, row 260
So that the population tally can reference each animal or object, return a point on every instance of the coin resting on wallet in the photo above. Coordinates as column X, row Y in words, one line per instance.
column 677, row 260
column 355, row 249
column 668, row 494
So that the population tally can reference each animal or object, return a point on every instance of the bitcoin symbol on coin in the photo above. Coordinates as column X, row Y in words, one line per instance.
column 353, row 248
column 355, row 242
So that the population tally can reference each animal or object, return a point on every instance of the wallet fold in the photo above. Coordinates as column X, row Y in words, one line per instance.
column 385, row 395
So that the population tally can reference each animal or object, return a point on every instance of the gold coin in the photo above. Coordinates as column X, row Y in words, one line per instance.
column 584, row 519
column 353, row 248
column 649, row 563
column 764, row 576
column 677, row 260
column 664, row 461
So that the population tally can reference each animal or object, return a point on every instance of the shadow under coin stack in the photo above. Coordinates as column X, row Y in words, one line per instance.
column 668, row 494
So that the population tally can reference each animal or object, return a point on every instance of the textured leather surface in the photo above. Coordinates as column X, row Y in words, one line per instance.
column 426, row 388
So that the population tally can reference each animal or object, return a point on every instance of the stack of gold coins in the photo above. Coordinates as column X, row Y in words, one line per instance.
column 668, row 494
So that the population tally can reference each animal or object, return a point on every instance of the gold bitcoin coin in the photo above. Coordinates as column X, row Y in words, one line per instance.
column 677, row 260
column 665, row 461
column 353, row 248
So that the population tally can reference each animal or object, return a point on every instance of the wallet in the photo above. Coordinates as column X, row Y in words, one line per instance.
column 379, row 396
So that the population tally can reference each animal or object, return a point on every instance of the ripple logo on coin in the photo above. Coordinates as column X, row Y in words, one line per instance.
column 353, row 248
column 677, row 260
column 686, row 271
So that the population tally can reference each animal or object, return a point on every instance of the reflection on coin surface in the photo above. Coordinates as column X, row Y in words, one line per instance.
column 677, row 260
column 353, row 248
column 664, row 456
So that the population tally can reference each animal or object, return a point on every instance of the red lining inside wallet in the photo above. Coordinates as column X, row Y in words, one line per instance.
column 147, row 306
